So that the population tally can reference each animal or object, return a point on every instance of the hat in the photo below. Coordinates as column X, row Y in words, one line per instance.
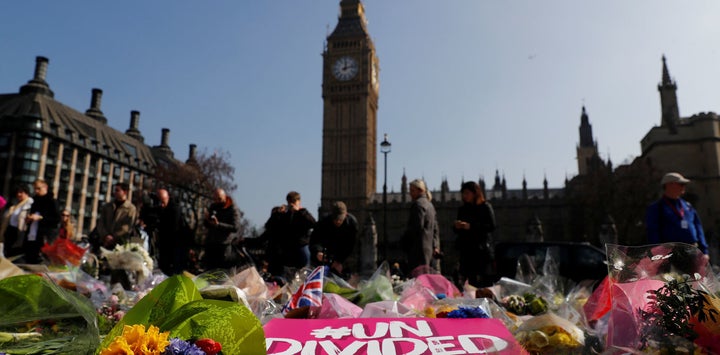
column 339, row 209
column 673, row 177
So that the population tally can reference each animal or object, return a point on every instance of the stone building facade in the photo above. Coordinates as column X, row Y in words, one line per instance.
column 691, row 146
column 77, row 153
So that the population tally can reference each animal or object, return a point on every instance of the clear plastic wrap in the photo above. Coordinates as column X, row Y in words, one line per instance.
column 656, row 294
column 37, row 316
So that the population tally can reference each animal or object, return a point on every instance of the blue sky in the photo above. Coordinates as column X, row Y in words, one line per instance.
column 466, row 87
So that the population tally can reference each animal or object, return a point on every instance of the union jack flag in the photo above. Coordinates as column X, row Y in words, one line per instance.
column 310, row 293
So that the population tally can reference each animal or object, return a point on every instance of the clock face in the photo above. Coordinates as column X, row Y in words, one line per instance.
column 345, row 68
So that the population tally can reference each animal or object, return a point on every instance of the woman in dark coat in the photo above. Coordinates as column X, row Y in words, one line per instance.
column 474, row 226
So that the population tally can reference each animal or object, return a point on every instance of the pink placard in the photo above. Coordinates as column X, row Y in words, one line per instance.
column 389, row 336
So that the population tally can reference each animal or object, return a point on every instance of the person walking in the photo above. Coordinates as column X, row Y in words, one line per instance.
column 43, row 221
column 672, row 219
column 333, row 238
column 14, row 223
column 173, row 237
column 473, row 227
column 421, row 239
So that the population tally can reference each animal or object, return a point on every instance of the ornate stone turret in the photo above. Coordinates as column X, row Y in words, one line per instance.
column 668, row 100
column 404, row 188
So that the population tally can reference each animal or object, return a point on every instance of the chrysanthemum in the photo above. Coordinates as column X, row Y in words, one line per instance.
column 134, row 340
column 119, row 346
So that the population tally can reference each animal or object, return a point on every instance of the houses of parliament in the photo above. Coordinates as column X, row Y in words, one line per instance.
column 600, row 204
column 81, row 157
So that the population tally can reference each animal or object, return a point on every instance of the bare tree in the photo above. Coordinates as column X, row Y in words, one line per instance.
column 195, row 181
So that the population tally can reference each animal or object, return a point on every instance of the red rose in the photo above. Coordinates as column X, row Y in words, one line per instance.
column 209, row 346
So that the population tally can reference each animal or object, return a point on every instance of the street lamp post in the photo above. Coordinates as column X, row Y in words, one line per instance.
column 385, row 149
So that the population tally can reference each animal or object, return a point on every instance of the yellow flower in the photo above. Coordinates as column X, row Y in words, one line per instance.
column 429, row 312
column 119, row 346
column 134, row 340
column 156, row 342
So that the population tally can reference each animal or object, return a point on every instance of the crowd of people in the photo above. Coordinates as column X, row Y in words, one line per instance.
column 294, row 239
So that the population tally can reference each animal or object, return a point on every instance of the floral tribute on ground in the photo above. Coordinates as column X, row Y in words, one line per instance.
column 655, row 298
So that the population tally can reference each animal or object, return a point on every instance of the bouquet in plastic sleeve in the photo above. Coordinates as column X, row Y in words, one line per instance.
column 387, row 309
column 63, row 251
column 8, row 269
column 176, row 308
column 338, row 286
column 468, row 308
column 661, row 296
column 378, row 288
column 550, row 334
column 416, row 296
column 39, row 317
column 254, row 287
column 336, row 306
column 131, row 257
column 520, row 298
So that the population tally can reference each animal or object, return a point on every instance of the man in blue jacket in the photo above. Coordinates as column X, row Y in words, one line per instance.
column 672, row 219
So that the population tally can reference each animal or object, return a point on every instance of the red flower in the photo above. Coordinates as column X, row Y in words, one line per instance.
column 209, row 346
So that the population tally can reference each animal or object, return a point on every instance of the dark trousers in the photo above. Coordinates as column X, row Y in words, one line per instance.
column 172, row 259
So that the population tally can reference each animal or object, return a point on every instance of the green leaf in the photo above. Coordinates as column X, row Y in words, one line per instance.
column 176, row 306
column 233, row 325
column 163, row 300
column 28, row 298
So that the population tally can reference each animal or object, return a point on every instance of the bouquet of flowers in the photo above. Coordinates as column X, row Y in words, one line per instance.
column 550, row 334
column 130, row 257
column 176, row 308
column 63, row 251
column 136, row 340
column 528, row 303
column 39, row 317
column 662, row 299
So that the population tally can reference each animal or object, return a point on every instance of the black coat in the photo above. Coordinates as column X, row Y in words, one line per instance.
column 47, row 207
column 228, row 227
column 482, row 223
column 171, row 226
column 336, row 242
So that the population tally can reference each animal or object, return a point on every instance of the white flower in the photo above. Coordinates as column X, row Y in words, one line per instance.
column 618, row 265
column 129, row 257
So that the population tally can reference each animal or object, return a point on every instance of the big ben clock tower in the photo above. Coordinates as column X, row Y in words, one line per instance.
column 350, row 95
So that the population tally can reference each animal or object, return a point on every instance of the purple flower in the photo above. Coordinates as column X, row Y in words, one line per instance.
column 181, row 347
column 468, row 312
